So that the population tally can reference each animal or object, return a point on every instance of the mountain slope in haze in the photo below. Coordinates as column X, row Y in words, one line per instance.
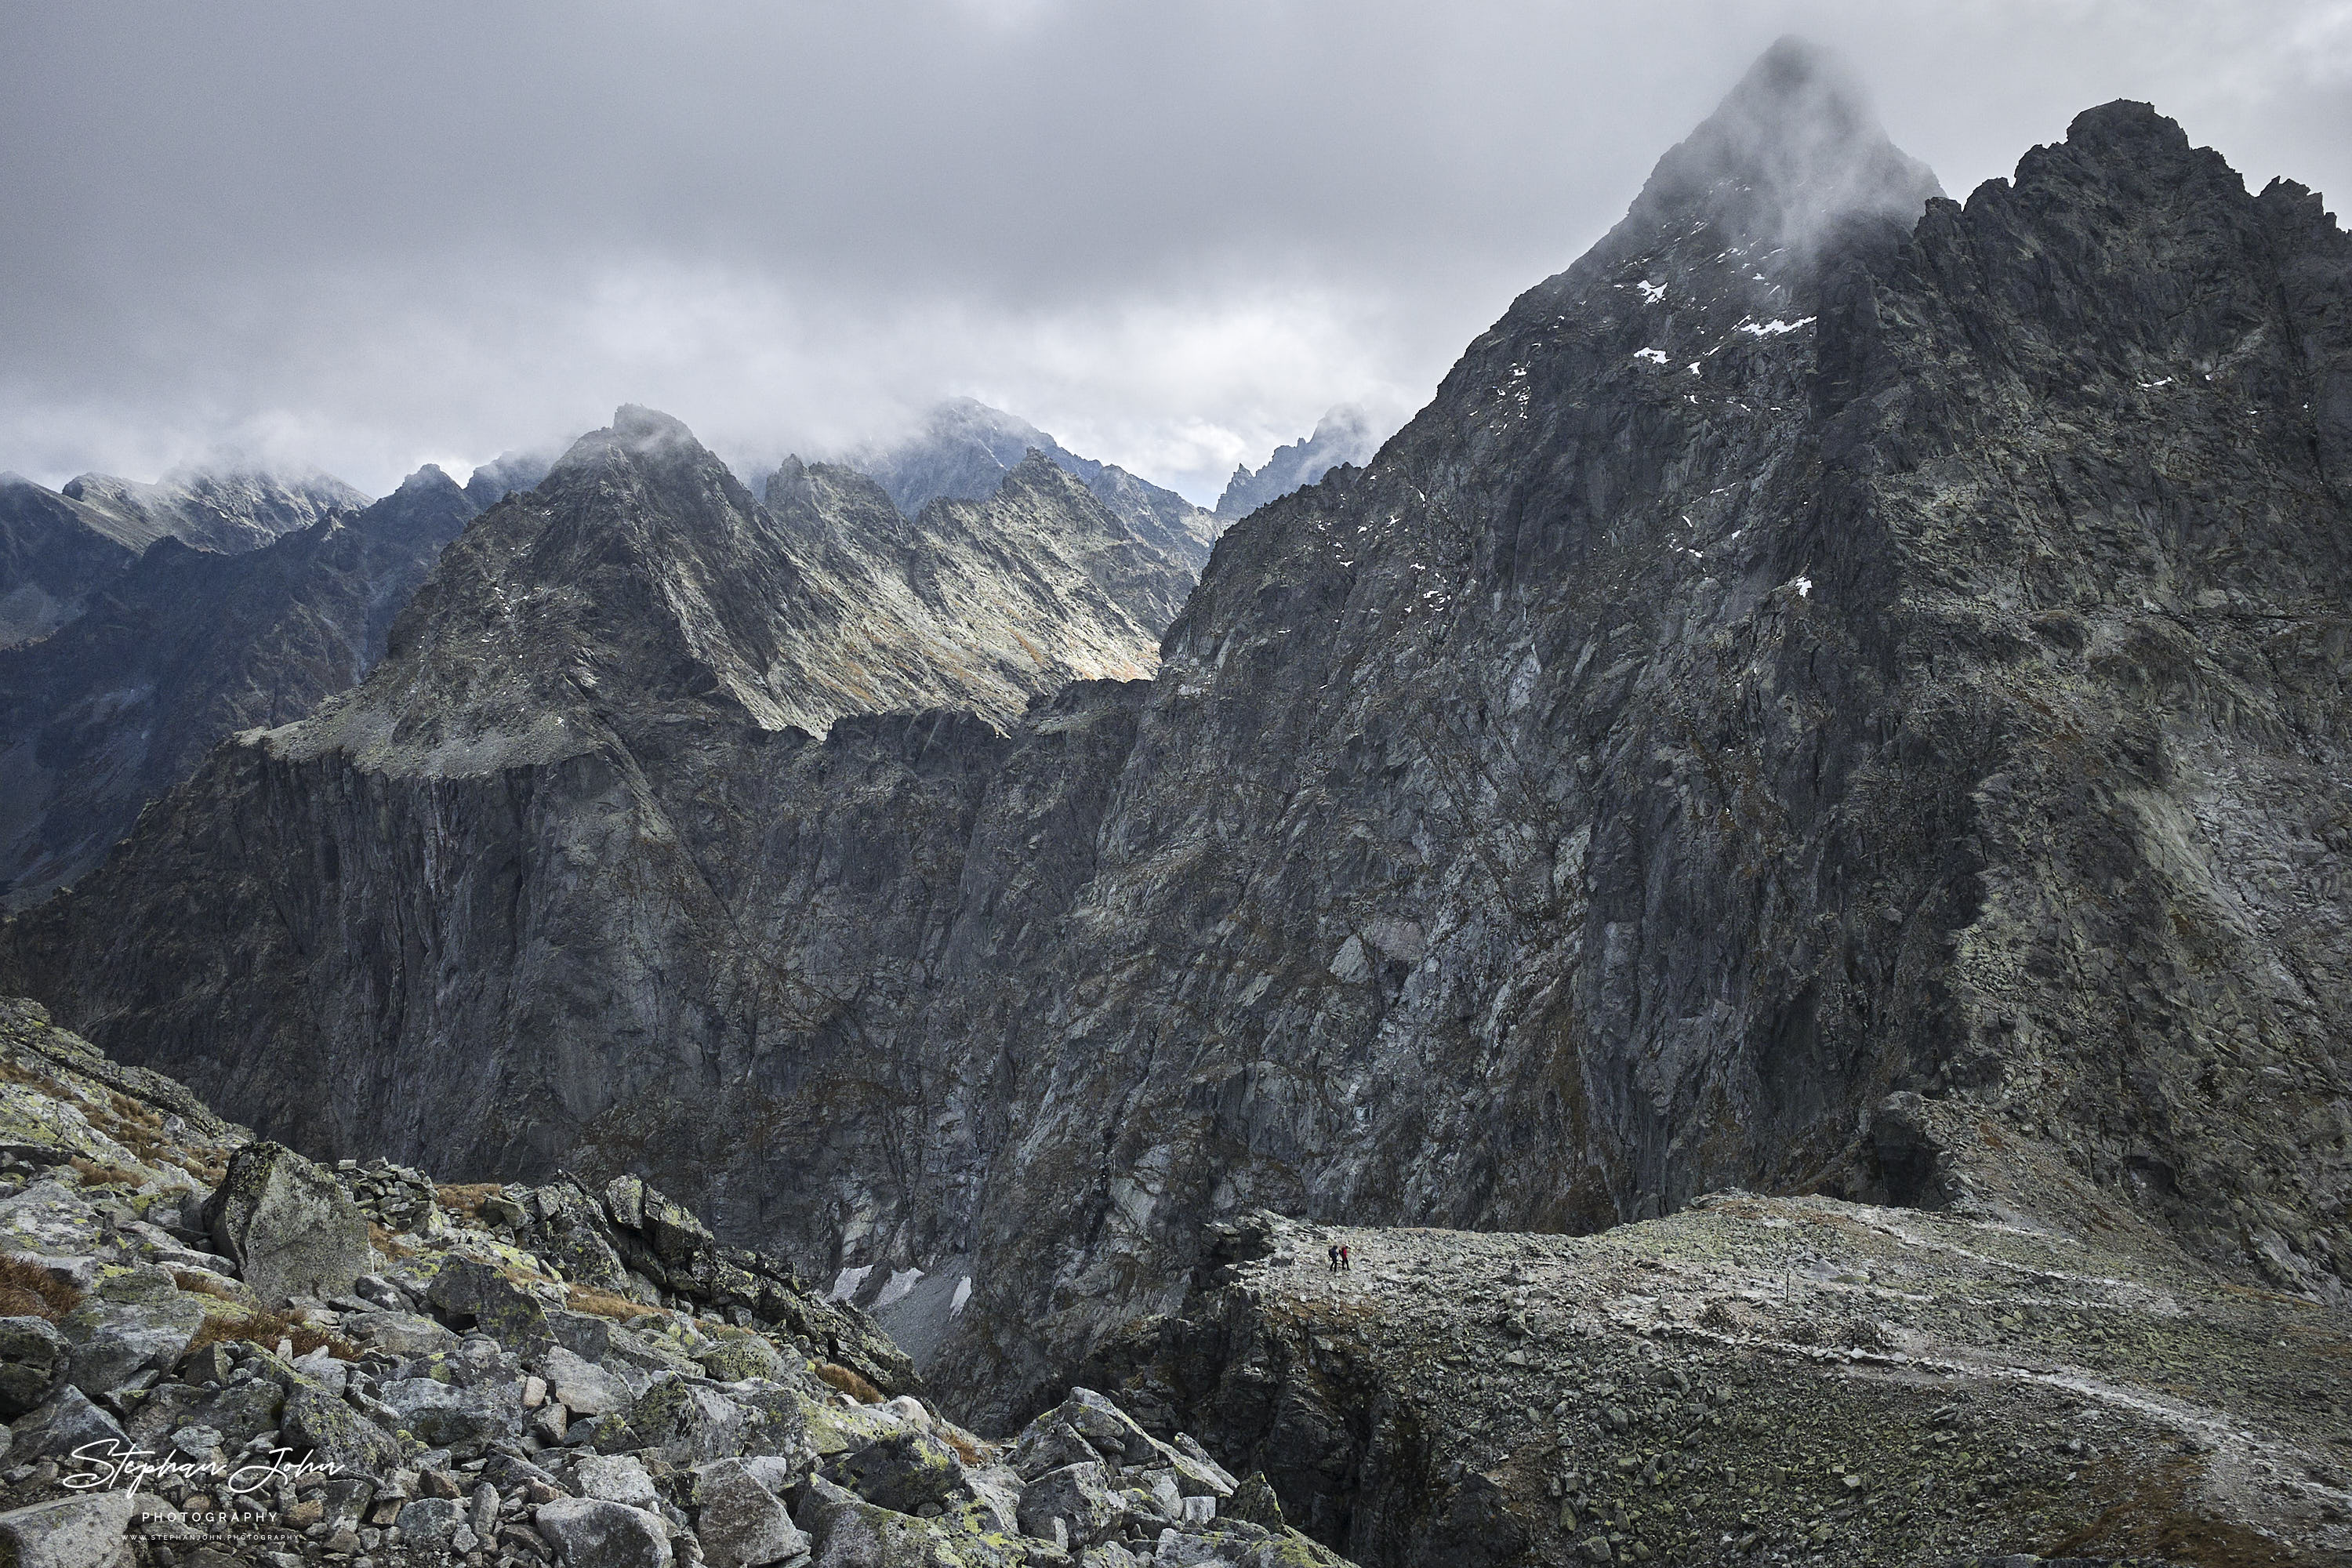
column 224, row 511
column 640, row 587
column 1345, row 434
column 184, row 646
column 503, row 475
column 965, row 448
column 1040, row 566
column 57, row 548
column 54, row 554
column 1839, row 691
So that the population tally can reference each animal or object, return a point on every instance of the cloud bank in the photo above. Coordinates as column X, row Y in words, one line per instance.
column 1173, row 236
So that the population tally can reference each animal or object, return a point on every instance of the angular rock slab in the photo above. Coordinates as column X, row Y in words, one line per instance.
column 292, row 1227
column 740, row 1523
column 78, row 1532
column 588, row 1532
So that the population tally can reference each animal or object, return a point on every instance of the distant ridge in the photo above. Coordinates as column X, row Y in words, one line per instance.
column 1345, row 434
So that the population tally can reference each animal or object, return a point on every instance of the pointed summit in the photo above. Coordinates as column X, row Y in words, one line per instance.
column 1793, row 151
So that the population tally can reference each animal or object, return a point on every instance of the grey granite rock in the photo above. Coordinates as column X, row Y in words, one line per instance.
column 33, row 1361
column 89, row 1531
column 290, row 1227
column 740, row 1523
column 589, row 1533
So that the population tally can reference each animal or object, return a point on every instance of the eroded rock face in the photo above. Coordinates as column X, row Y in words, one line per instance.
column 1829, row 696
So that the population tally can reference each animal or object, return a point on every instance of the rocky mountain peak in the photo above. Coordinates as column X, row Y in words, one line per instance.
column 432, row 477
column 225, row 508
column 1344, row 435
column 652, row 445
column 504, row 474
column 1037, row 473
column 963, row 449
column 2128, row 129
column 1793, row 151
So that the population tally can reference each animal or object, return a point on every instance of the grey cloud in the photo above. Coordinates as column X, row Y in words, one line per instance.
column 1172, row 234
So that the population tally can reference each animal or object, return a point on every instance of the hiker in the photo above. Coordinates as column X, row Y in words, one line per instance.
column 1331, row 1258
column 1346, row 1262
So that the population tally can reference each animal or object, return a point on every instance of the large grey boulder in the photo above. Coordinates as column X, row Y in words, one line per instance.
column 686, row 1425
column 338, row 1434
column 1047, row 1444
column 290, row 1226
column 614, row 1478
column 449, row 1415
column 1079, row 1497
column 677, row 1234
column 581, row 1386
column 90, row 1532
column 740, row 1523
column 429, row 1525
column 113, row 1340
column 902, row 1472
column 33, row 1360
column 589, row 1532
column 68, row 1422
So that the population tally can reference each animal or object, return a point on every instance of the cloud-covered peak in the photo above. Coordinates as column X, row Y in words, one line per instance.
column 1793, row 151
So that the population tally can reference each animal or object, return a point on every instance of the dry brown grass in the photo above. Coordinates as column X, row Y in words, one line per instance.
column 202, row 1284
column 966, row 1449
column 27, row 1289
column 834, row 1374
column 15, row 1071
column 466, row 1197
column 603, row 1303
column 94, row 1174
column 265, row 1328
column 383, row 1242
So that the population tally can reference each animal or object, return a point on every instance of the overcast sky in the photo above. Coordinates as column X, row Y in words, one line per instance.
column 1171, row 234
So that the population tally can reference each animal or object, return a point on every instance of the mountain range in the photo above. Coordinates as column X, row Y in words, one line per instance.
column 1345, row 434
column 962, row 449
column 1840, row 693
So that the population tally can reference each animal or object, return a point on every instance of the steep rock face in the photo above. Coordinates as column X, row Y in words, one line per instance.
column 184, row 649
column 965, row 448
column 1642, row 772
column 1343, row 436
column 584, row 742
column 55, row 553
column 225, row 510
column 1825, row 698
column 1036, row 583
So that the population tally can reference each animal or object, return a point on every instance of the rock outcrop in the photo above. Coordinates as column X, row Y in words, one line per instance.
column 177, row 651
column 480, row 1388
column 1761, row 1379
column 289, row 1227
column 1840, row 692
